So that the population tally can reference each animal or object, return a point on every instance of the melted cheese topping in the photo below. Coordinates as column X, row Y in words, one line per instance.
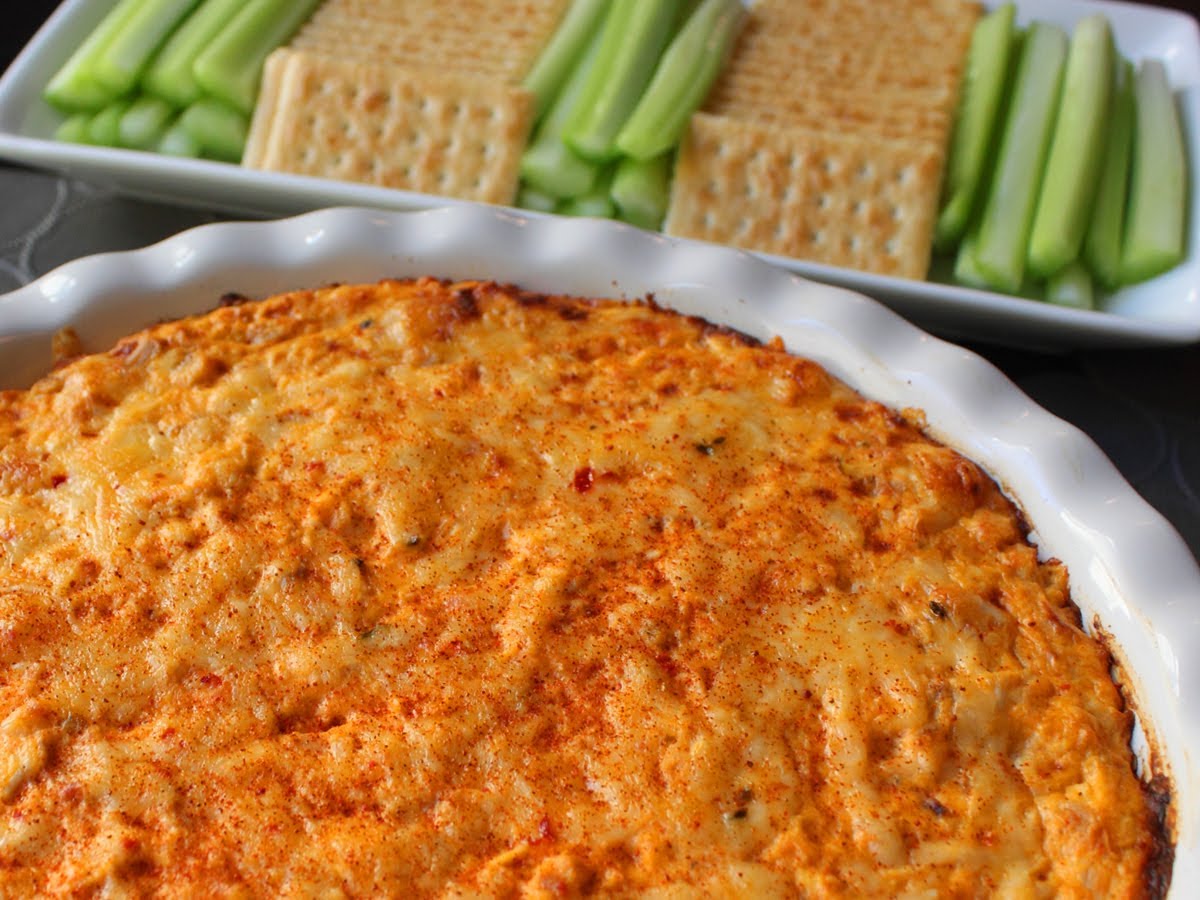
column 450, row 590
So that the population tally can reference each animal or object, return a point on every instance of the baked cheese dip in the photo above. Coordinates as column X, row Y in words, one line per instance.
column 433, row 589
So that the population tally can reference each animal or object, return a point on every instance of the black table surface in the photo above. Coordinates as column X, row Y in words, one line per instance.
column 1142, row 407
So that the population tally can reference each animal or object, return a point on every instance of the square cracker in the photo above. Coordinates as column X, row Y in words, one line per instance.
column 266, row 107
column 862, row 202
column 499, row 37
column 440, row 133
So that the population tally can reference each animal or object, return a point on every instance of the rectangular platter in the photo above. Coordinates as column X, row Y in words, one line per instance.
column 1163, row 311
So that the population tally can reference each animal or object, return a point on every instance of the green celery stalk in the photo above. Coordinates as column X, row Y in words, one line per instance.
column 687, row 70
column 1012, row 197
column 74, row 128
column 1102, row 246
column 976, row 122
column 641, row 190
column 219, row 129
column 596, row 203
column 557, row 59
column 531, row 198
column 1071, row 286
column 75, row 86
column 1154, row 226
column 592, row 205
column 170, row 73
column 231, row 66
column 105, row 127
column 1076, row 150
column 552, row 167
column 143, row 124
column 634, row 34
column 966, row 265
column 547, row 164
column 121, row 62
column 176, row 141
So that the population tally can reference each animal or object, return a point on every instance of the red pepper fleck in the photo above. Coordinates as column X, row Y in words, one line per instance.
column 58, row 480
column 584, row 479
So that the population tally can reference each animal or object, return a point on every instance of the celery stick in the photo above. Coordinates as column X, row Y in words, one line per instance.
column 635, row 32
column 641, row 189
column 143, row 124
column 74, row 129
column 966, row 266
column 1071, row 286
column 74, row 86
column 552, row 167
column 1102, row 247
column 968, row 272
column 596, row 203
column 218, row 129
column 1076, row 149
column 176, row 141
column 231, row 66
column 681, row 81
column 548, row 164
column 977, row 120
column 170, row 73
column 1008, row 214
column 121, row 63
column 555, row 62
column 105, row 127
column 1154, row 227
column 531, row 198
column 593, row 205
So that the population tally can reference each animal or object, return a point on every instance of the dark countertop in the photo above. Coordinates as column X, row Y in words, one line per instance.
column 1141, row 406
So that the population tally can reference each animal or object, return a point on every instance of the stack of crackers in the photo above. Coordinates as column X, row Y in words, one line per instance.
column 826, row 136
column 417, row 95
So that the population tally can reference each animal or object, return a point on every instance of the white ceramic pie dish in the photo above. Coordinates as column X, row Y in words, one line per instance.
column 1130, row 572
column 1163, row 311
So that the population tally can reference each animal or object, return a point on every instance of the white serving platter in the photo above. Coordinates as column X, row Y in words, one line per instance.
column 1164, row 311
column 1131, row 574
